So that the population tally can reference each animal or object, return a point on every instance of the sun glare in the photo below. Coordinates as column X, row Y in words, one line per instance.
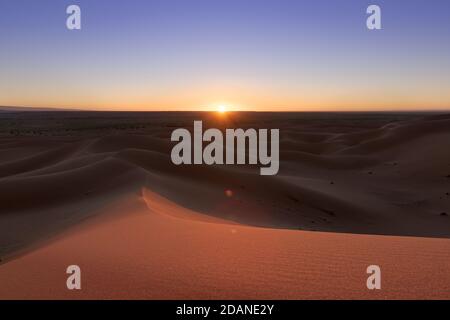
column 222, row 109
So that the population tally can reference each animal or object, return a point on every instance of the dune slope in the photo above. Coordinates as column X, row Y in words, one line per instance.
column 151, row 248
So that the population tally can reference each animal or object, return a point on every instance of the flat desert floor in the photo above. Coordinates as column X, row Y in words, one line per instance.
column 99, row 190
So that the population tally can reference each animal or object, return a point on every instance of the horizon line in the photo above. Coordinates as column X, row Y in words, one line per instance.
column 15, row 109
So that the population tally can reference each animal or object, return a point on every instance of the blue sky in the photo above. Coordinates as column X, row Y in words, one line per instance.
column 248, row 54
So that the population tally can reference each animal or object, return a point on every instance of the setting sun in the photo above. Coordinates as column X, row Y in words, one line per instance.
column 222, row 109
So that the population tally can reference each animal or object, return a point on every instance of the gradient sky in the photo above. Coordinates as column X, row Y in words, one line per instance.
column 247, row 54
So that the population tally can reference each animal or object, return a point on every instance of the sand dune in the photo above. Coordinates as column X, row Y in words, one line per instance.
column 151, row 248
column 380, row 174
